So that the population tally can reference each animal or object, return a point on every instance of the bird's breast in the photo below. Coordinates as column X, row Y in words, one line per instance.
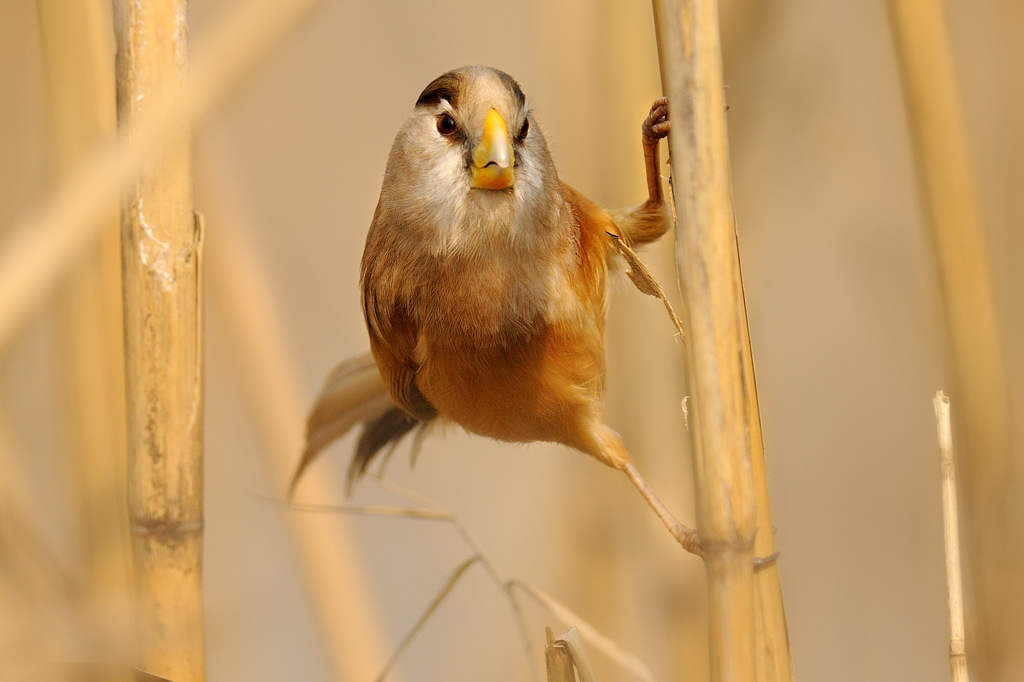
column 495, row 300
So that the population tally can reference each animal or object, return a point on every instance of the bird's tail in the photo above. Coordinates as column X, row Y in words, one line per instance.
column 353, row 394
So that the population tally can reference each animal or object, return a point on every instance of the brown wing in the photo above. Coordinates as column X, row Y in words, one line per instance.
column 393, row 333
column 595, row 224
column 392, row 341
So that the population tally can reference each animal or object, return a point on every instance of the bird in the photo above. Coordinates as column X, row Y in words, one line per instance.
column 484, row 286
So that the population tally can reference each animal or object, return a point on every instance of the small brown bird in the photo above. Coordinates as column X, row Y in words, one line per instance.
column 484, row 285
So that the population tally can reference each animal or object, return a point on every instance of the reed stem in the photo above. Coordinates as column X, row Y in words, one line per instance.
column 990, row 473
column 749, row 638
column 161, row 242
column 951, row 526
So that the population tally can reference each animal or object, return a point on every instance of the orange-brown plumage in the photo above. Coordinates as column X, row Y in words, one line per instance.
column 484, row 288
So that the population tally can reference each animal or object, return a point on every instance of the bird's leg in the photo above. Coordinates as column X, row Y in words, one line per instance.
column 608, row 447
column 655, row 127
column 686, row 536
column 650, row 219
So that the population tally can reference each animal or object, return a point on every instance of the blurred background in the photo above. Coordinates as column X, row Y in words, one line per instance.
column 845, row 314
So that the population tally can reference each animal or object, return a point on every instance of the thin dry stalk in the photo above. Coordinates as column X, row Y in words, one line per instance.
column 941, row 146
column 429, row 511
column 951, row 527
column 734, row 521
column 161, row 260
column 77, row 38
column 625, row 660
column 44, row 244
column 244, row 298
column 580, row 657
column 939, row 135
column 449, row 585
column 434, row 513
column 557, row 662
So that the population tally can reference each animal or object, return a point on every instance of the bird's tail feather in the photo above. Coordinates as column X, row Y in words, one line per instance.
column 353, row 394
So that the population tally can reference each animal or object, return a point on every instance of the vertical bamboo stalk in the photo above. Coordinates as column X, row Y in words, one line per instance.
column 995, row 531
column 951, row 526
column 161, row 261
column 748, row 635
column 77, row 38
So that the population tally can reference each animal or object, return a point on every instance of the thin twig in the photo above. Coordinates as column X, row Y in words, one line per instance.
column 951, row 525
column 430, row 511
column 609, row 648
column 489, row 567
column 449, row 585
column 395, row 512
column 427, row 510
column 988, row 468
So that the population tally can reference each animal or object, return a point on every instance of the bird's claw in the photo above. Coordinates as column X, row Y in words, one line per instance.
column 689, row 539
column 657, row 123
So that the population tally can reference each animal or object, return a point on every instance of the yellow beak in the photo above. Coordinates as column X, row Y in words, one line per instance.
column 493, row 158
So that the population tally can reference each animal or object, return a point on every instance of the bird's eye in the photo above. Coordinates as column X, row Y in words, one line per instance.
column 446, row 124
column 525, row 129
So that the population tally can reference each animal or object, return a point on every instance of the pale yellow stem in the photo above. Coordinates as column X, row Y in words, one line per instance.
column 749, row 638
column 994, row 514
column 951, row 527
column 161, row 244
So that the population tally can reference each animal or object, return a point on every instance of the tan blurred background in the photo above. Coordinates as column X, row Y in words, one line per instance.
column 846, row 324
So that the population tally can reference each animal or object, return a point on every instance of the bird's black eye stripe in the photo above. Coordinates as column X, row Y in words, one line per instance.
column 446, row 124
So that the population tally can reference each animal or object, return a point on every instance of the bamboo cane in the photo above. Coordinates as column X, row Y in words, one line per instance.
column 990, row 474
column 161, row 260
column 747, row 614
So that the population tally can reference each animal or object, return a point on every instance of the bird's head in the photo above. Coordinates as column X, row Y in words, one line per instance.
column 470, row 133
column 469, row 170
column 474, row 119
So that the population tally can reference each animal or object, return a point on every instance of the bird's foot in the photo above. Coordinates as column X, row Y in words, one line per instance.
column 689, row 538
column 656, row 126
column 657, row 123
